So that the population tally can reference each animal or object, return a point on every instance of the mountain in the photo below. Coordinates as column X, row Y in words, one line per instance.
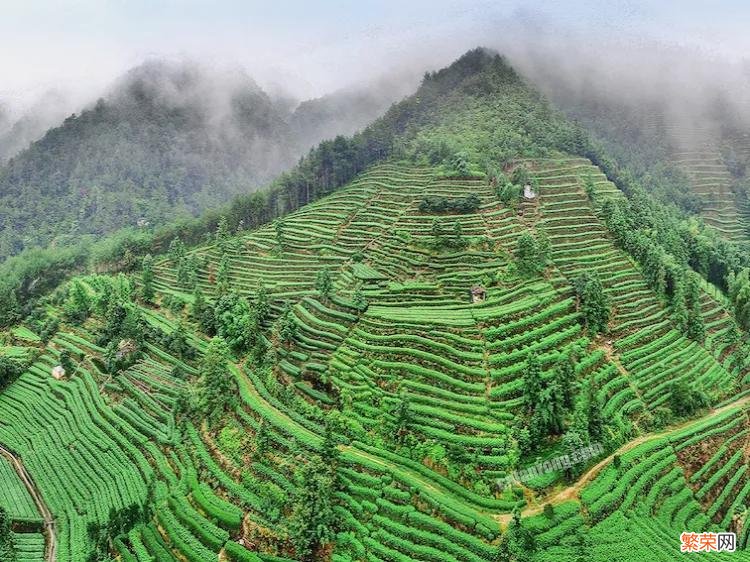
column 464, row 333
column 346, row 111
column 689, row 146
column 4, row 119
column 169, row 139
column 19, row 132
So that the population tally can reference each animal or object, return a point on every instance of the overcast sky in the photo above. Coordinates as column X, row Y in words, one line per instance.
column 313, row 47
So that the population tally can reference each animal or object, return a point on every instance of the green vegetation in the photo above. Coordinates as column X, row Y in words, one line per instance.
column 593, row 302
column 7, row 540
column 347, row 377
column 141, row 156
column 445, row 205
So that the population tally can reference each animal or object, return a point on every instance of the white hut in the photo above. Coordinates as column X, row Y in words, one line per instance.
column 58, row 373
column 528, row 192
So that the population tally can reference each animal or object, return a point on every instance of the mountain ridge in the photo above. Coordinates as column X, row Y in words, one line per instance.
column 467, row 287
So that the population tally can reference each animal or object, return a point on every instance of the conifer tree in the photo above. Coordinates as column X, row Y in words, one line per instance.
column 564, row 376
column 679, row 307
column 223, row 234
column 323, row 283
column 287, row 327
column 262, row 305
column 222, row 277
column 532, row 382
column 78, row 306
column 147, row 279
column 313, row 522
column 216, row 386
column 176, row 250
column 279, row 230
column 592, row 302
column 594, row 418
column 696, row 329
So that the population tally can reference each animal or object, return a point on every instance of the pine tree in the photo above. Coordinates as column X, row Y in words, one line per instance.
column 458, row 235
column 223, row 234
column 594, row 416
column 438, row 233
column 203, row 313
column 564, row 376
column 518, row 543
column 66, row 362
column 147, row 279
column 549, row 410
column 403, row 416
column 323, row 283
column 531, row 256
column 696, row 329
column 532, row 382
column 222, row 277
column 572, row 443
column 262, row 306
column 313, row 522
column 279, row 230
column 543, row 248
column 461, row 164
column 216, row 385
column 287, row 327
column 592, row 302
column 10, row 370
column 176, row 250
column 78, row 306
column 235, row 322
column 589, row 187
column 199, row 302
column 358, row 300
column 683, row 400
column 178, row 341
column 329, row 451
column 262, row 439
column 679, row 308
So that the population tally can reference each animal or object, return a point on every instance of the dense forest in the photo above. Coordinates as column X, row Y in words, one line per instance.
column 169, row 140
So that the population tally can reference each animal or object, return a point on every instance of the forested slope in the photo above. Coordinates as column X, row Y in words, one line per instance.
column 324, row 386
column 168, row 140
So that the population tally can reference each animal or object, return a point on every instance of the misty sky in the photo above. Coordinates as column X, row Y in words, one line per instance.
column 314, row 47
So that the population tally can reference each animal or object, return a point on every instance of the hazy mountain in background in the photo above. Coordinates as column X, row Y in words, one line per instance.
column 346, row 111
column 168, row 139
column 18, row 132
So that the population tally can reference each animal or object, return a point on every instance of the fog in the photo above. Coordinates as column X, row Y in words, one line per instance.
column 679, row 65
column 688, row 93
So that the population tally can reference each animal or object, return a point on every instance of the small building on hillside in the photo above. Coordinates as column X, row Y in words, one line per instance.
column 125, row 348
column 478, row 294
column 528, row 192
column 58, row 373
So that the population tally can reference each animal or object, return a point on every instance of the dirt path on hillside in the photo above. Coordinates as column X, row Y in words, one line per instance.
column 50, row 554
column 574, row 490
column 569, row 493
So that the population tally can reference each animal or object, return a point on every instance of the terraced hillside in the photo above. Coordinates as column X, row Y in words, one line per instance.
column 711, row 181
column 369, row 377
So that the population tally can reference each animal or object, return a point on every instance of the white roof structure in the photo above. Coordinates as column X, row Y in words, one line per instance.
column 528, row 192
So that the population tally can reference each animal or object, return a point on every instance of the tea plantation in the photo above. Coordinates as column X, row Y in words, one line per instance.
column 351, row 381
